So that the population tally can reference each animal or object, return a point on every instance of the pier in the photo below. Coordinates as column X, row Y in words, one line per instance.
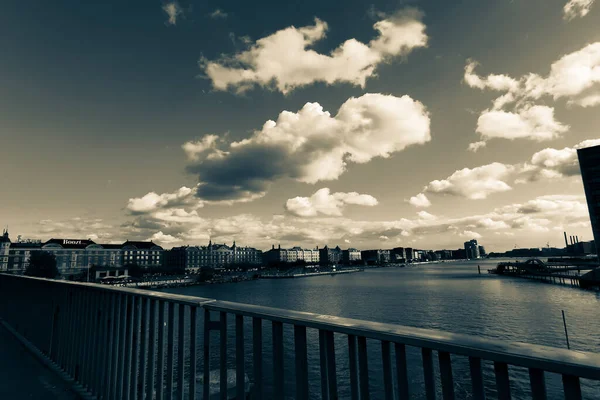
column 578, row 274
column 116, row 343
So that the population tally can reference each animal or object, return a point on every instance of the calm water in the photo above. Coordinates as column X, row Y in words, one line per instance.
column 450, row 297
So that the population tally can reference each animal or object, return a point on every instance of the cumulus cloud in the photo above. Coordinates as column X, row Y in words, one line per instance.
column 426, row 215
column 164, row 239
column 577, row 8
column 284, row 60
column 530, row 122
column 173, row 11
column 470, row 234
column 553, row 163
column 419, row 200
column 323, row 202
column 476, row 146
column 218, row 13
column 541, row 214
column 575, row 78
column 308, row 146
column 476, row 183
column 152, row 201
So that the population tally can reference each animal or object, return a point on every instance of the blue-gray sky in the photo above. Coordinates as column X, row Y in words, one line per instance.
column 117, row 121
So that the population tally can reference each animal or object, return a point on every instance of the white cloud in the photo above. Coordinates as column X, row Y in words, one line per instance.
column 284, row 60
column 326, row 203
column 541, row 214
column 476, row 183
column 476, row 146
column 577, row 8
column 308, row 146
column 530, row 122
column 575, row 77
column 153, row 201
column 218, row 13
column 163, row 239
column 173, row 10
column 425, row 215
column 552, row 163
column 419, row 200
column 471, row 235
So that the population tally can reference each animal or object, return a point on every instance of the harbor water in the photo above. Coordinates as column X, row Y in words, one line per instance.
column 450, row 296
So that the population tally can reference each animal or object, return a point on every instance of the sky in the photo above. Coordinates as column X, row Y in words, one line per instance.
column 373, row 125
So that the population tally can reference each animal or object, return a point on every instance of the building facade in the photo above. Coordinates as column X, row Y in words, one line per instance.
column 73, row 256
column 351, row 256
column 211, row 256
column 589, row 164
column 295, row 254
column 376, row 256
column 472, row 249
column 398, row 254
column 328, row 256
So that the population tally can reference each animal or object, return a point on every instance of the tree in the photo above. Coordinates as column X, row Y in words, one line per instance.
column 42, row 264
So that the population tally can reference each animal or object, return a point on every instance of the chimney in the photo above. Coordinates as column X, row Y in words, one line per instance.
column 273, row 247
column 280, row 246
column 571, row 239
column 576, row 239
column 566, row 242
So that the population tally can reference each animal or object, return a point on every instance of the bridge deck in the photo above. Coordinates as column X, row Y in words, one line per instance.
column 24, row 377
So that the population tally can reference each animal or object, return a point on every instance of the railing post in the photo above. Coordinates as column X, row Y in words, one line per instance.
column 223, row 356
column 363, row 368
column 502, row 380
column 143, row 347
column 239, row 358
column 323, row 361
column 446, row 375
column 571, row 387
column 538, row 384
column 170, row 348
column 151, row 371
column 181, row 352
column 257, row 356
column 401, row 371
column 206, row 351
column 386, row 360
column 160, row 363
column 300, row 345
column 331, row 370
column 193, row 351
column 428, row 373
column 352, row 359
column 476, row 378
column 278, row 376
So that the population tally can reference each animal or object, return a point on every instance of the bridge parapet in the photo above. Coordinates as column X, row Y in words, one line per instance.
column 127, row 343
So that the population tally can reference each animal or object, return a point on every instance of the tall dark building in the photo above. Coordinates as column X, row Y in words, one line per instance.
column 589, row 163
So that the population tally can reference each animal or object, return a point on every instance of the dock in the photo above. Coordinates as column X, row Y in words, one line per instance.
column 308, row 274
column 585, row 275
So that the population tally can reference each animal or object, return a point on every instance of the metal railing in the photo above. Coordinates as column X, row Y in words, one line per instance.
column 123, row 343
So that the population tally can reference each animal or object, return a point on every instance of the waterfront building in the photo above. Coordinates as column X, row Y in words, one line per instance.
column 376, row 256
column 444, row 254
column 459, row 254
column 398, row 254
column 351, row 255
column 589, row 164
column 482, row 252
column 409, row 252
column 144, row 254
column 74, row 256
column 328, row 256
column 295, row 254
column 472, row 249
column 214, row 256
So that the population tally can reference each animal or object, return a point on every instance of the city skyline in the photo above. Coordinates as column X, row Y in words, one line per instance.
column 395, row 124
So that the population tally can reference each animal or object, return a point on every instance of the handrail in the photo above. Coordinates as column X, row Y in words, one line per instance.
column 113, row 339
column 551, row 359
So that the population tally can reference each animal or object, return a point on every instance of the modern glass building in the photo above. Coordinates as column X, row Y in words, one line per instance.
column 589, row 164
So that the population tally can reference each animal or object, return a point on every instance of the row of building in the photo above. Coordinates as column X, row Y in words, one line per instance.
column 76, row 255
